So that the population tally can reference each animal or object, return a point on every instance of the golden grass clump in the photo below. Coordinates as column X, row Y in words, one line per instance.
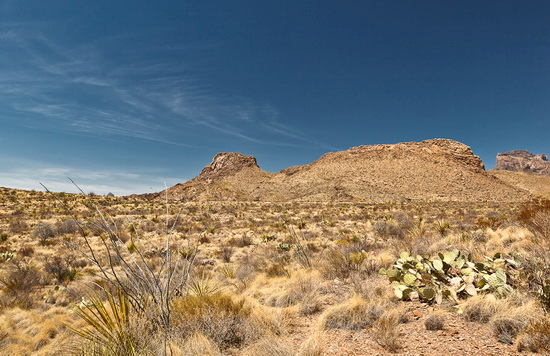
column 313, row 346
column 386, row 331
column 435, row 321
column 197, row 345
column 225, row 320
column 268, row 346
column 303, row 290
column 535, row 337
column 481, row 308
column 25, row 332
column 507, row 324
column 353, row 314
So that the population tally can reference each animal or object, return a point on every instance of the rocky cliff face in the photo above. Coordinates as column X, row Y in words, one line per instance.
column 523, row 161
column 226, row 164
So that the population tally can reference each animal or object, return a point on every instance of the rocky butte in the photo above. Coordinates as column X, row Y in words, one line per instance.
column 523, row 161
column 432, row 170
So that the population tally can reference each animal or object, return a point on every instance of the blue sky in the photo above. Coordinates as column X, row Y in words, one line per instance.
column 123, row 96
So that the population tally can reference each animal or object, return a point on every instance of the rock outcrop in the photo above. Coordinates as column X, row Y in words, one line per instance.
column 432, row 170
column 523, row 161
column 226, row 164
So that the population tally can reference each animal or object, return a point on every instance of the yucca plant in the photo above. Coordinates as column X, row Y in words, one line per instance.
column 148, row 287
column 107, row 326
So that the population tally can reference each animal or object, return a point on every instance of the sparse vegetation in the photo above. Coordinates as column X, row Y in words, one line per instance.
column 248, row 283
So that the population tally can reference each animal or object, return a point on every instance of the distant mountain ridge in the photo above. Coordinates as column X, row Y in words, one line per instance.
column 523, row 161
column 432, row 170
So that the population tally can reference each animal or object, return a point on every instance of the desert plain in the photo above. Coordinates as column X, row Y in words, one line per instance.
column 407, row 249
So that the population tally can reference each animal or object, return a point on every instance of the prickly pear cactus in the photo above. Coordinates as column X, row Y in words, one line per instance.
column 450, row 274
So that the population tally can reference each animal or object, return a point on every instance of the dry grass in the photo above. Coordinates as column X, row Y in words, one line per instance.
column 250, row 291
column 225, row 320
column 355, row 313
column 481, row 308
column 386, row 332
column 535, row 337
column 313, row 345
column 303, row 290
column 435, row 321
column 268, row 346
column 507, row 324
column 25, row 332
column 197, row 345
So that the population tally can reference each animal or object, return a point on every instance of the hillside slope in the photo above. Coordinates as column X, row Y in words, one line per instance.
column 533, row 183
column 434, row 170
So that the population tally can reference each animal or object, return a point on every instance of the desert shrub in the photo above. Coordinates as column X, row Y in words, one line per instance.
column 507, row 324
column 43, row 231
column 535, row 216
column 26, row 251
column 482, row 308
column 225, row 320
column 492, row 220
column 18, row 282
column 385, row 229
column 268, row 346
column 68, row 226
column 241, row 241
column 226, row 252
column 386, row 332
column 60, row 268
column 278, row 269
column 4, row 237
column 348, row 257
column 535, row 337
column 18, row 226
column 354, row 314
column 435, row 321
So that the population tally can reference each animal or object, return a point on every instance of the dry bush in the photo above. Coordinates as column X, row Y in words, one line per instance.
column 481, row 308
column 19, row 281
column 268, row 346
column 67, row 226
column 348, row 257
column 535, row 337
column 386, row 332
column 18, row 226
column 435, row 321
column 223, row 319
column 354, row 314
column 535, row 216
column 26, row 251
column 313, row 346
column 197, row 345
column 386, row 229
column 226, row 252
column 507, row 324
column 58, row 267
column 43, row 232
column 241, row 241
column 303, row 290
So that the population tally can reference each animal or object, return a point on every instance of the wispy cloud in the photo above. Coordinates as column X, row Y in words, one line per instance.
column 80, row 90
column 56, row 178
